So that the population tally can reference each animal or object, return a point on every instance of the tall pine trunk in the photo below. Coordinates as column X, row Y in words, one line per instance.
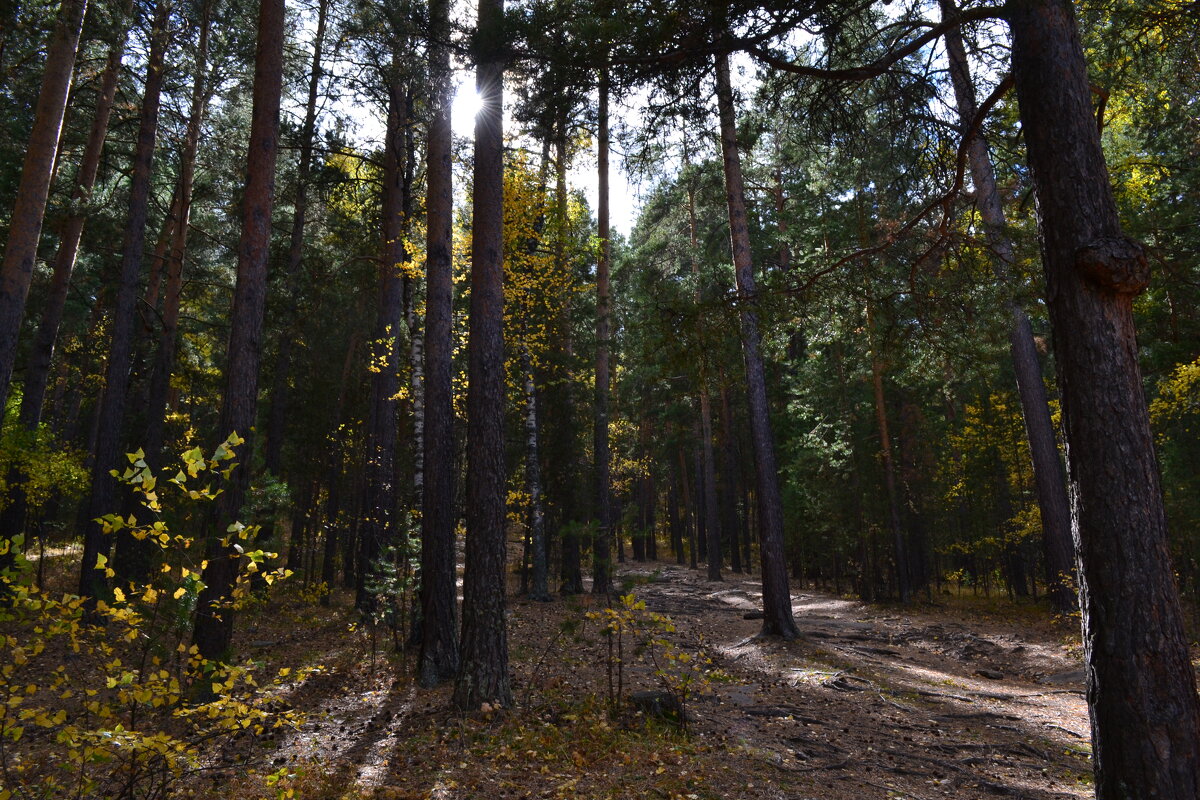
column 164, row 360
column 483, row 674
column 601, row 557
column 25, row 224
column 706, row 489
column 41, row 353
column 777, row 598
column 1141, row 687
column 438, row 658
column 379, row 498
column 213, row 631
column 277, row 413
column 1049, row 481
column 111, row 416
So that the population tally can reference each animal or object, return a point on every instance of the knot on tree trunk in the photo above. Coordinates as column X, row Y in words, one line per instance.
column 1116, row 263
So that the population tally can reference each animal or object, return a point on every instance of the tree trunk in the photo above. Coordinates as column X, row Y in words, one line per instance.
column 690, row 516
column 1141, row 686
column 533, row 484
column 438, row 658
column 729, row 516
column 777, row 599
column 334, row 468
column 164, row 362
column 213, row 630
column 379, row 499
column 110, row 419
column 712, row 518
column 899, row 550
column 1049, row 480
column 601, row 566
column 42, row 352
column 277, row 413
column 706, row 482
column 483, row 673
column 25, row 224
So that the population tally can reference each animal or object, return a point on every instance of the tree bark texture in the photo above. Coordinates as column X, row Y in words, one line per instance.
column 438, row 658
column 213, row 630
column 1140, row 683
column 25, row 224
column 483, row 673
column 277, row 413
column 379, row 499
column 1049, row 481
column 102, row 498
column 41, row 354
column 164, row 360
column 777, row 599
column 601, row 556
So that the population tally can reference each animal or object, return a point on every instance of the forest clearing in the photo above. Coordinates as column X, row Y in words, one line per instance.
column 599, row 398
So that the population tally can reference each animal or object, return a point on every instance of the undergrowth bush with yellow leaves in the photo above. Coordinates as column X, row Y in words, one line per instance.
column 105, row 698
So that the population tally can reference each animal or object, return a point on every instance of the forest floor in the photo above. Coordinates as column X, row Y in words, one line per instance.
column 957, row 698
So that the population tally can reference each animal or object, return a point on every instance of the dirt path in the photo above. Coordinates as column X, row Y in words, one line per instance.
column 871, row 703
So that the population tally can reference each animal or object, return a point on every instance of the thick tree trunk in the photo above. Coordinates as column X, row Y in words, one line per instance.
column 277, row 413
column 601, row 566
column 1141, row 686
column 438, row 658
column 777, row 599
column 41, row 352
column 213, row 630
column 483, row 674
column 1049, row 481
column 110, row 419
column 25, row 224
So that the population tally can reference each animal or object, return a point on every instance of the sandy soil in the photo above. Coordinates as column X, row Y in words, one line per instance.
column 872, row 702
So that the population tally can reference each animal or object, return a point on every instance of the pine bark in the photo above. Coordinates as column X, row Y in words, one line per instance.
column 438, row 657
column 483, row 673
column 164, row 360
column 706, row 485
column 102, row 498
column 379, row 498
column 41, row 354
column 1049, row 481
column 777, row 599
column 1141, row 687
column 213, row 631
column 25, row 224
column 277, row 413
column 601, row 556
